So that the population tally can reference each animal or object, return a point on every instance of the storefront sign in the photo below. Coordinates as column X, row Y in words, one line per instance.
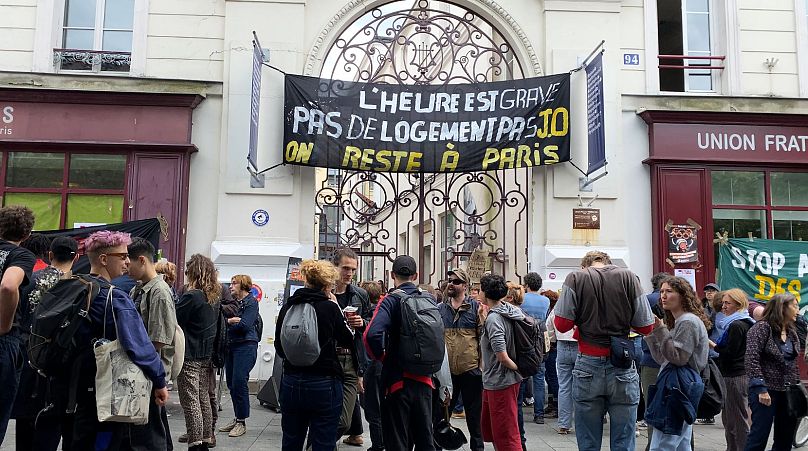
column 586, row 218
column 594, row 110
column 763, row 268
column 427, row 128
column 7, row 116
column 682, row 244
column 728, row 143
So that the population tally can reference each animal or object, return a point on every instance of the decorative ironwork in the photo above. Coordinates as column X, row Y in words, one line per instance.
column 442, row 217
column 421, row 45
column 71, row 59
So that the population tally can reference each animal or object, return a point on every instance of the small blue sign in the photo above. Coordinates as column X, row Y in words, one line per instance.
column 631, row 59
column 260, row 218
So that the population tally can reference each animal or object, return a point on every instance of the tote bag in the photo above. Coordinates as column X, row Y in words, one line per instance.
column 122, row 390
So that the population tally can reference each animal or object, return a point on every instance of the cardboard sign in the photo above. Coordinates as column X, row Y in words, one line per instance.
column 478, row 263
column 586, row 218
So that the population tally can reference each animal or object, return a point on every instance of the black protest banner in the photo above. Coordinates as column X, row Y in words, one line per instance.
column 143, row 228
column 426, row 128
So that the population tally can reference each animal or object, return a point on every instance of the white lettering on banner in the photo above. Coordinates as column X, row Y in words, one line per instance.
column 726, row 141
column 507, row 99
column 786, row 143
column 802, row 269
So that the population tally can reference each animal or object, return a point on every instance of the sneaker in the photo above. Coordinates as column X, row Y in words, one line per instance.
column 183, row 438
column 564, row 431
column 228, row 427
column 705, row 421
column 459, row 415
column 642, row 424
column 210, row 442
column 550, row 414
column 238, row 430
column 354, row 440
column 538, row 419
column 529, row 401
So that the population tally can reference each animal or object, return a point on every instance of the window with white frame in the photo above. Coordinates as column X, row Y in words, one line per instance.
column 96, row 36
column 686, row 59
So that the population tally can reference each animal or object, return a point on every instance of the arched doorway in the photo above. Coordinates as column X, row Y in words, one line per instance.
column 439, row 219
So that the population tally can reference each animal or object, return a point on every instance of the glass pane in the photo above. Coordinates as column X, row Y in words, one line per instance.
column 738, row 223
column 93, row 209
column 699, row 82
column 78, row 39
column 35, row 170
column 119, row 14
column 698, row 32
column 47, row 207
column 790, row 225
column 80, row 13
column 698, row 5
column 790, row 188
column 97, row 171
column 117, row 41
column 737, row 188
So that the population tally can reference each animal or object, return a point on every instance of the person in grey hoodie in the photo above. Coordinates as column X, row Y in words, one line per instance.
column 501, row 379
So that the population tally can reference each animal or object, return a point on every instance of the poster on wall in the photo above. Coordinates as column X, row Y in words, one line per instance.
column 426, row 128
column 682, row 244
column 294, row 280
column 763, row 268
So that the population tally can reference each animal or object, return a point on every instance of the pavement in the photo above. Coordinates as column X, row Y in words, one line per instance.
column 264, row 432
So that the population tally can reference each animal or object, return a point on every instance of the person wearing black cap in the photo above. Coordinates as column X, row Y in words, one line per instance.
column 42, row 433
column 407, row 403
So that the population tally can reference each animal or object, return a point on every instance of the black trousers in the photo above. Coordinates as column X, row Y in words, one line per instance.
column 45, row 435
column 356, row 420
column 407, row 418
column 470, row 386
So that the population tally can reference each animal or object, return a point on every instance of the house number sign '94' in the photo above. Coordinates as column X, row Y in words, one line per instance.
column 631, row 59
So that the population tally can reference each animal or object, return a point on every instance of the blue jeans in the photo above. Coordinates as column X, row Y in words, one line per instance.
column 520, row 417
column 551, row 375
column 310, row 403
column 598, row 388
column 565, row 362
column 538, row 392
column 10, row 370
column 762, row 418
column 237, row 366
column 670, row 442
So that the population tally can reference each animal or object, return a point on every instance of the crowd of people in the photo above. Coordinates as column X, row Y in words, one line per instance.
column 403, row 357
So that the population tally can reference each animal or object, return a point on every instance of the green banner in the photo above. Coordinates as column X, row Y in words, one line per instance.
column 763, row 268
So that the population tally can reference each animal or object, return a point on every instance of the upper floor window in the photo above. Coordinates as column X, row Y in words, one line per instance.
column 686, row 60
column 96, row 36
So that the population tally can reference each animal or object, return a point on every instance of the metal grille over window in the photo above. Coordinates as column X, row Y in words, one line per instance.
column 96, row 36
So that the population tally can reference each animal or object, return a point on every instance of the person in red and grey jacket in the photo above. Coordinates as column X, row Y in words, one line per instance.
column 605, row 302
column 407, row 398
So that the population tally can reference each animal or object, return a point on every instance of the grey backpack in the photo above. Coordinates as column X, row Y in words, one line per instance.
column 299, row 336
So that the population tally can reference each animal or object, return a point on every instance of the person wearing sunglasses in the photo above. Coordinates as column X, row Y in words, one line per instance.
column 463, row 323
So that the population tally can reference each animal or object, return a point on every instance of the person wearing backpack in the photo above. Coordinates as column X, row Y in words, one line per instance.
column 16, row 266
column 155, row 302
column 463, row 328
column 197, row 315
column 242, row 351
column 35, row 430
column 309, row 329
column 109, row 258
column 501, row 378
column 411, row 352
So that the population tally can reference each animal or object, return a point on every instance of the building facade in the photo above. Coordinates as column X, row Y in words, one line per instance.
column 111, row 111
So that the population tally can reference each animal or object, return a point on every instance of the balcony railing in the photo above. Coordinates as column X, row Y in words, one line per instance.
column 682, row 58
column 91, row 60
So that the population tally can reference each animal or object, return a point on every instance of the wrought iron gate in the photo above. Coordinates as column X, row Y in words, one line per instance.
column 437, row 218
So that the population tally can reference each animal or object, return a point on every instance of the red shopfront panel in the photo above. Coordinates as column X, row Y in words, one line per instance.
column 679, row 196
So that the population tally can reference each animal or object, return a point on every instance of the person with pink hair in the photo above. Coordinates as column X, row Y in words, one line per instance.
column 109, row 258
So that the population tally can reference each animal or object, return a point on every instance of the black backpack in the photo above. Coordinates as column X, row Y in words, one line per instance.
column 54, row 344
column 259, row 327
column 220, row 340
column 529, row 341
column 421, row 346
column 712, row 400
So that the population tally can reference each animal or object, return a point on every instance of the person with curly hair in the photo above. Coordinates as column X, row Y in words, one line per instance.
column 197, row 316
column 772, row 349
column 311, row 395
column 18, row 264
column 39, row 245
column 680, row 340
